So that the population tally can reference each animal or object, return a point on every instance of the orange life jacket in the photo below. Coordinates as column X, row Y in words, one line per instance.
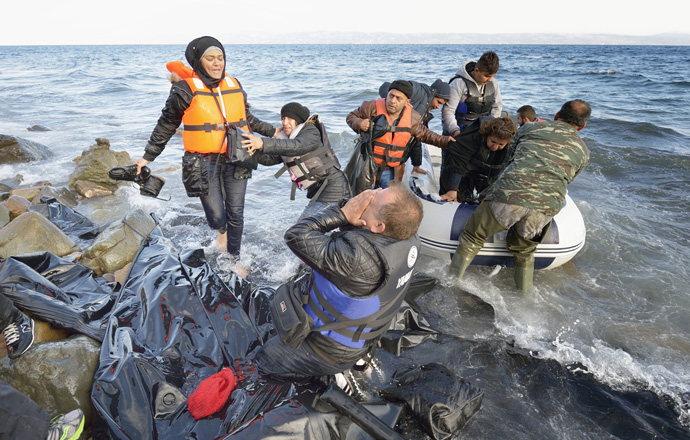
column 205, row 119
column 180, row 69
column 390, row 148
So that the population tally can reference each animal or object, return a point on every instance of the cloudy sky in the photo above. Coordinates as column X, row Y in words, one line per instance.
column 177, row 22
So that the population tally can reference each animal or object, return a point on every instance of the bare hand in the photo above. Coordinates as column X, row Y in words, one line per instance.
column 418, row 170
column 450, row 196
column 141, row 163
column 364, row 125
column 278, row 130
column 455, row 134
column 355, row 207
column 252, row 143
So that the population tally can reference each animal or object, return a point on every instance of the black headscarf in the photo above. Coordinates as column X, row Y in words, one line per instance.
column 194, row 52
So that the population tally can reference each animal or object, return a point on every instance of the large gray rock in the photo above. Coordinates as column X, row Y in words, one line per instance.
column 32, row 232
column 17, row 150
column 57, row 375
column 117, row 246
column 95, row 162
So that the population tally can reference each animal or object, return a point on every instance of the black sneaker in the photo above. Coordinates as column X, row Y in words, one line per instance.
column 19, row 336
column 129, row 173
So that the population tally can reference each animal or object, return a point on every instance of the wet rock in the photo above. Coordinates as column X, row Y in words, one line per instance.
column 31, row 232
column 91, row 189
column 117, row 246
column 121, row 275
column 62, row 195
column 38, row 128
column 28, row 193
column 17, row 205
column 17, row 150
column 4, row 215
column 56, row 375
column 95, row 162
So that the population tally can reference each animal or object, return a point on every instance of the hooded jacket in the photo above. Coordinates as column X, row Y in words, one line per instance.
column 459, row 93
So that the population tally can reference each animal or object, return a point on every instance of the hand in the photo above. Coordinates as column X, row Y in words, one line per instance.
column 450, row 196
column 141, row 163
column 364, row 125
column 278, row 130
column 417, row 169
column 451, row 140
column 456, row 133
column 355, row 207
column 252, row 143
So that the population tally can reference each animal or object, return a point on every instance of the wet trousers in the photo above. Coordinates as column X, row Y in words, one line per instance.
column 280, row 360
column 21, row 417
column 224, row 203
column 526, row 229
column 8, row 312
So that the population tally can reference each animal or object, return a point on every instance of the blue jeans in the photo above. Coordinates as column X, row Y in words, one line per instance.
column 224, row 203
column 386, row 176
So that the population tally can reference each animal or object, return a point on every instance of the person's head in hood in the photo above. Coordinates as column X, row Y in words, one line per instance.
column 206, row 55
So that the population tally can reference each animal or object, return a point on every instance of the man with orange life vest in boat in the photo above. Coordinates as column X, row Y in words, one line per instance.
column 396, row 123
column 209, row 103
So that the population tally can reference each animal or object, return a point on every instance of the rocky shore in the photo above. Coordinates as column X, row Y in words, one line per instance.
column 57, row 372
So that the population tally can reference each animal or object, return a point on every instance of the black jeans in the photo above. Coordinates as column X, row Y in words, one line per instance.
column 8, row 312
column 278, row 359
column 21, row 417
column 224, row 203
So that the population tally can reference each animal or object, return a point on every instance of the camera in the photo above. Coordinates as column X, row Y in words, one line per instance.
column 149, row 185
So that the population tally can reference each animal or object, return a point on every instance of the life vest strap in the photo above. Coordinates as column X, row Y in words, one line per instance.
column 222, row 92
column 207, row 127
column 376, row 322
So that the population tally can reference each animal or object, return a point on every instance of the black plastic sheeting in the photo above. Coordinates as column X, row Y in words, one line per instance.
column 61, row 292
column 175, row 322
column 77, row 227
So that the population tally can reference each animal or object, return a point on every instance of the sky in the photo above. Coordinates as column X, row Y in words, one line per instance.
column 39, row 22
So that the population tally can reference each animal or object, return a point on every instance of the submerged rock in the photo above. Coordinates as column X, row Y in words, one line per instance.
column 38, row 128
column 17, row 150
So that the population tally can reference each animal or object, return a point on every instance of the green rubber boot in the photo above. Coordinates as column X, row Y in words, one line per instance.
column 459, row 264
column 524, row 272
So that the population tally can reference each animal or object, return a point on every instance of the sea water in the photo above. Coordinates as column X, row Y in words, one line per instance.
column 599, row 349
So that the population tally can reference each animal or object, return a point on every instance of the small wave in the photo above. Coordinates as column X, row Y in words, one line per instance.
column 604, row 72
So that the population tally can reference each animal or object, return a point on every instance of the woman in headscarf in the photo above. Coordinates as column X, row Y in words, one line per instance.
column 208, row 103
column 304, row 149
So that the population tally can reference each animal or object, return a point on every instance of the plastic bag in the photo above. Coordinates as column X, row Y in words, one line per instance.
column 442, row 402
column 361, row 170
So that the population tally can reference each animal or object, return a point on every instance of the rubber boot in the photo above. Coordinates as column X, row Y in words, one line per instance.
column 524, row 272
column 462, row 258
column 459, row 264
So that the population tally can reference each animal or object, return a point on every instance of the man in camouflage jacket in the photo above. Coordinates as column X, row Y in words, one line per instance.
column 529, row 192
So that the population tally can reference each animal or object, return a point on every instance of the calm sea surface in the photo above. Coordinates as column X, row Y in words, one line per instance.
column 599, row 349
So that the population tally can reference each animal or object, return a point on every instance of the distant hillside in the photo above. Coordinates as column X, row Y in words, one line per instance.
column 325, row 37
